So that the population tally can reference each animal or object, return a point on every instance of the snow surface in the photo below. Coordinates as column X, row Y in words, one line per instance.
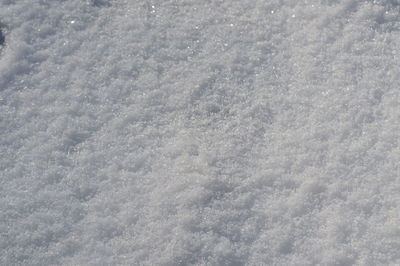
column 166, row 132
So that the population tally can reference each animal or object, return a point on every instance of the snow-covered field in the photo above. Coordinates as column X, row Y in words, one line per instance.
column 188, row 132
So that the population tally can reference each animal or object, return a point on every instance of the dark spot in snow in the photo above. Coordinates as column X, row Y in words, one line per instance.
column 286, row 246
column 84, row 194
column 377, row 96
column 100, row 3
column 2, row 37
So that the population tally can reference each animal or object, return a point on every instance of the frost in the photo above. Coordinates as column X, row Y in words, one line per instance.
column 155, row 132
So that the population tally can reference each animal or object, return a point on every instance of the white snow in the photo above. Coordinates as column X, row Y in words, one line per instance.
column 218, row 132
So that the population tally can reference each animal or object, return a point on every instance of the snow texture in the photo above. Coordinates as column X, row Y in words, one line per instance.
column 215, row 132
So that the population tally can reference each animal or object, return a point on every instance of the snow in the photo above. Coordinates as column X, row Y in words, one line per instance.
column 236, row 132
